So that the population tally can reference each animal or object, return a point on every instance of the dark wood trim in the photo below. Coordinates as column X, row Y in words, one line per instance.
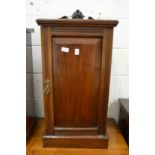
column 46, row 70
column 50, row 73
column 96, row 141
column 73, row 34
column 44, row 74
column 107, row 74
column 77, row 22
column 75, row 129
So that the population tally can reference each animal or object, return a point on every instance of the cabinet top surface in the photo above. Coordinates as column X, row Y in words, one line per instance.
column 77, row 22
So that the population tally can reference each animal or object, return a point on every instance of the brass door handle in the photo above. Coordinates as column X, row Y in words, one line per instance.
column 47, row 87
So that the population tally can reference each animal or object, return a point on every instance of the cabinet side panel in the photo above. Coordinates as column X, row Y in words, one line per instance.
column 105, row 79
column 107, row 74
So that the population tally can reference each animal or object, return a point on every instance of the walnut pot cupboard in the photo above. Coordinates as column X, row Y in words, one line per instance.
column 76, row 62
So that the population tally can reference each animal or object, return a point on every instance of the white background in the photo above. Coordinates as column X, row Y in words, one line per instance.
column 13, row 77
column 98, row 9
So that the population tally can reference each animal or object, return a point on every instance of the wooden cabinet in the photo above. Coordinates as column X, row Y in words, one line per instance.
column 76, row 60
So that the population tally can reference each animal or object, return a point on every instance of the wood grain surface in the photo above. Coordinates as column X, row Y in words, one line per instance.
column 77, row 103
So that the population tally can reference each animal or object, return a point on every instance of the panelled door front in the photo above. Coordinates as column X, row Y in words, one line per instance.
column 76, row 77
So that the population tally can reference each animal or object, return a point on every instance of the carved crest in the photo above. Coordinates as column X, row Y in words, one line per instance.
column 76, row 15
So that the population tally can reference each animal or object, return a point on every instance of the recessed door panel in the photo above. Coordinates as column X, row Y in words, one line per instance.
column 76, row 72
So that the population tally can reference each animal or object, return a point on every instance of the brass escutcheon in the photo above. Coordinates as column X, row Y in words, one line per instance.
column 47, row 87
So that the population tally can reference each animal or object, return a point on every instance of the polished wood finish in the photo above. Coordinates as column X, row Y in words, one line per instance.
column 77, row 22
column 76, row 108
column 117, row 144
column 75, row 76
column 124, row 118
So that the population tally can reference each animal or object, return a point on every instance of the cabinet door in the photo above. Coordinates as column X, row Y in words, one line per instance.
column 76, row 76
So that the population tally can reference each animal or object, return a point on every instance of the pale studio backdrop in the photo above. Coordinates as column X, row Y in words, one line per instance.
column 98, row 9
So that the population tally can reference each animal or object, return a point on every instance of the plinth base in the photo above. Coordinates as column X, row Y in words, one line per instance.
column 70, row 141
